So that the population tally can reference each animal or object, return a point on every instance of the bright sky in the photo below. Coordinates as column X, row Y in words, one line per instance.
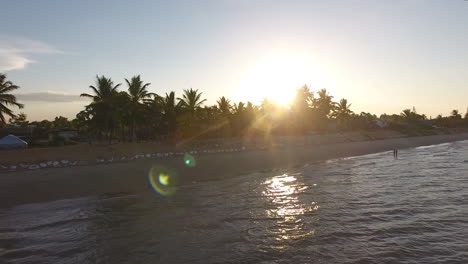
column 383, row 56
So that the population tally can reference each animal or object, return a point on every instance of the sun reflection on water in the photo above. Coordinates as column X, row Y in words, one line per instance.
column 283, row 192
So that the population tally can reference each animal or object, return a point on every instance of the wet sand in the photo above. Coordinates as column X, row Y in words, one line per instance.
column 71, row 182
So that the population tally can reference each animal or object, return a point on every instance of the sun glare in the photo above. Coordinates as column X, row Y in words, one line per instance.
column 277, row 78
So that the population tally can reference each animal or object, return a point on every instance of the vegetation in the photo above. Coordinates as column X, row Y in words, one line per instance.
column 137, row 114
column 7, row 99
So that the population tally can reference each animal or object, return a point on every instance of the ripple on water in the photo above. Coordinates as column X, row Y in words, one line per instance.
column 366, row 209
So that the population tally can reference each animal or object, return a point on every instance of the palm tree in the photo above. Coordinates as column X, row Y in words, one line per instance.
column 323, row 105
column 137, row 90
column 138, row 94
column 191, row 100
column 409, row 115
column 170, row 110
column 224, row 105
column 7, row 99
column 105, row 93
column 168, row 103
column 342, row 111
column 300, row 109
column 239, row 108
column 303, row 98
column 105, row 90
column 406, row 113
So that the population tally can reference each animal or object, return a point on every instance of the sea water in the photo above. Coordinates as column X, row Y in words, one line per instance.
column 366, row 209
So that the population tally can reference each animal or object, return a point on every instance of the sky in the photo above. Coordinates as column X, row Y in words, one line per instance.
column 383, row 56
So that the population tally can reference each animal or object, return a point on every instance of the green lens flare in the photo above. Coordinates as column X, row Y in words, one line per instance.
column 189, row 160
column 162, row 180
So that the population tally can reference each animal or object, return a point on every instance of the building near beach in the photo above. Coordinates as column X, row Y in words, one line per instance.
column 12, row 142
column 24, row 133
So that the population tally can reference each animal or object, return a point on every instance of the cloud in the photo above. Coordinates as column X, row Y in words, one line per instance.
column 49, row 96
column 16, row 53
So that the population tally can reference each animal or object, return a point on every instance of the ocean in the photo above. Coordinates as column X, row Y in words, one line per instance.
column 366, row 209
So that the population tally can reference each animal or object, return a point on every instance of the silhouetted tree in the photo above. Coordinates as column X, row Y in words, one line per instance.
column 138, row 93
column 191, row 100
column 342, row 112
column 19, row 120
column 7, row 99
column 224, row 105
column 323, row 106
column 455, row 115
column 103, row 105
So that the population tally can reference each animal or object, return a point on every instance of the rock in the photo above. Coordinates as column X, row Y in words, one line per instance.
column 33, row 167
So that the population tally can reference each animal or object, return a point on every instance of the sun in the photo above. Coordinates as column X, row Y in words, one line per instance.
column 277, row 77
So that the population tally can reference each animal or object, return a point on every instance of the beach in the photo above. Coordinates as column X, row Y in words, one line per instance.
column 33, row 186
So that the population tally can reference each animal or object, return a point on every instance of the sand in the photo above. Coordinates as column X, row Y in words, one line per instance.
column 63, row 183
column 88, row 154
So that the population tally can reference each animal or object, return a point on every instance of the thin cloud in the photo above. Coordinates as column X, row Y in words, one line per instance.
column 51, row 97
column 16, row 53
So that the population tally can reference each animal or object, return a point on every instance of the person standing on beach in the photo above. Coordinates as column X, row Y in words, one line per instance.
column 395, row 153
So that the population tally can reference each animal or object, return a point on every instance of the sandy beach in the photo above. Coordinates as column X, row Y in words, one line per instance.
column 61, row 183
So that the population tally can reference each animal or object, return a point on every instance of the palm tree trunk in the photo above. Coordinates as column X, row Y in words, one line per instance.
column 133, row 130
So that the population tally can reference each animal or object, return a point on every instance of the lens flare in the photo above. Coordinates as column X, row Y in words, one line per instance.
column 189, row 160
column 162, row 180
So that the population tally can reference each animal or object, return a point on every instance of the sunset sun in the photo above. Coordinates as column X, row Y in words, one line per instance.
column 277, row 77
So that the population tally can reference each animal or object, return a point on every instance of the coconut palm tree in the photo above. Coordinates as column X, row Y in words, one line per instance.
column 169, row 104
column 323, row 103
column 303, row 98
column 191, row 100
column 406, row 113
column 7, row 99
column 342, row 112
column 239, row 108
column 342, row 109
column 301, row 117
column 224, row 105
column 170, row 109
column 322, row 107
column 409, row 115
column 104, row 90
column 104, row 97
column 137, row 90
column 138, row 94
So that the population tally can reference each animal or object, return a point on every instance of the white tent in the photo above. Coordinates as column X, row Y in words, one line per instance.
column 12, row 142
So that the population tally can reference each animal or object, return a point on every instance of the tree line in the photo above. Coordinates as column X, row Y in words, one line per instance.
column 130, row 112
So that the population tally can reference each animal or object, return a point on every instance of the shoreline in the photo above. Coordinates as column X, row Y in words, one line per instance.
column 33, row 186
column 92, row 154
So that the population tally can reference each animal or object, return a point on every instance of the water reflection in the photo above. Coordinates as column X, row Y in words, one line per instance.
column 283, row 193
